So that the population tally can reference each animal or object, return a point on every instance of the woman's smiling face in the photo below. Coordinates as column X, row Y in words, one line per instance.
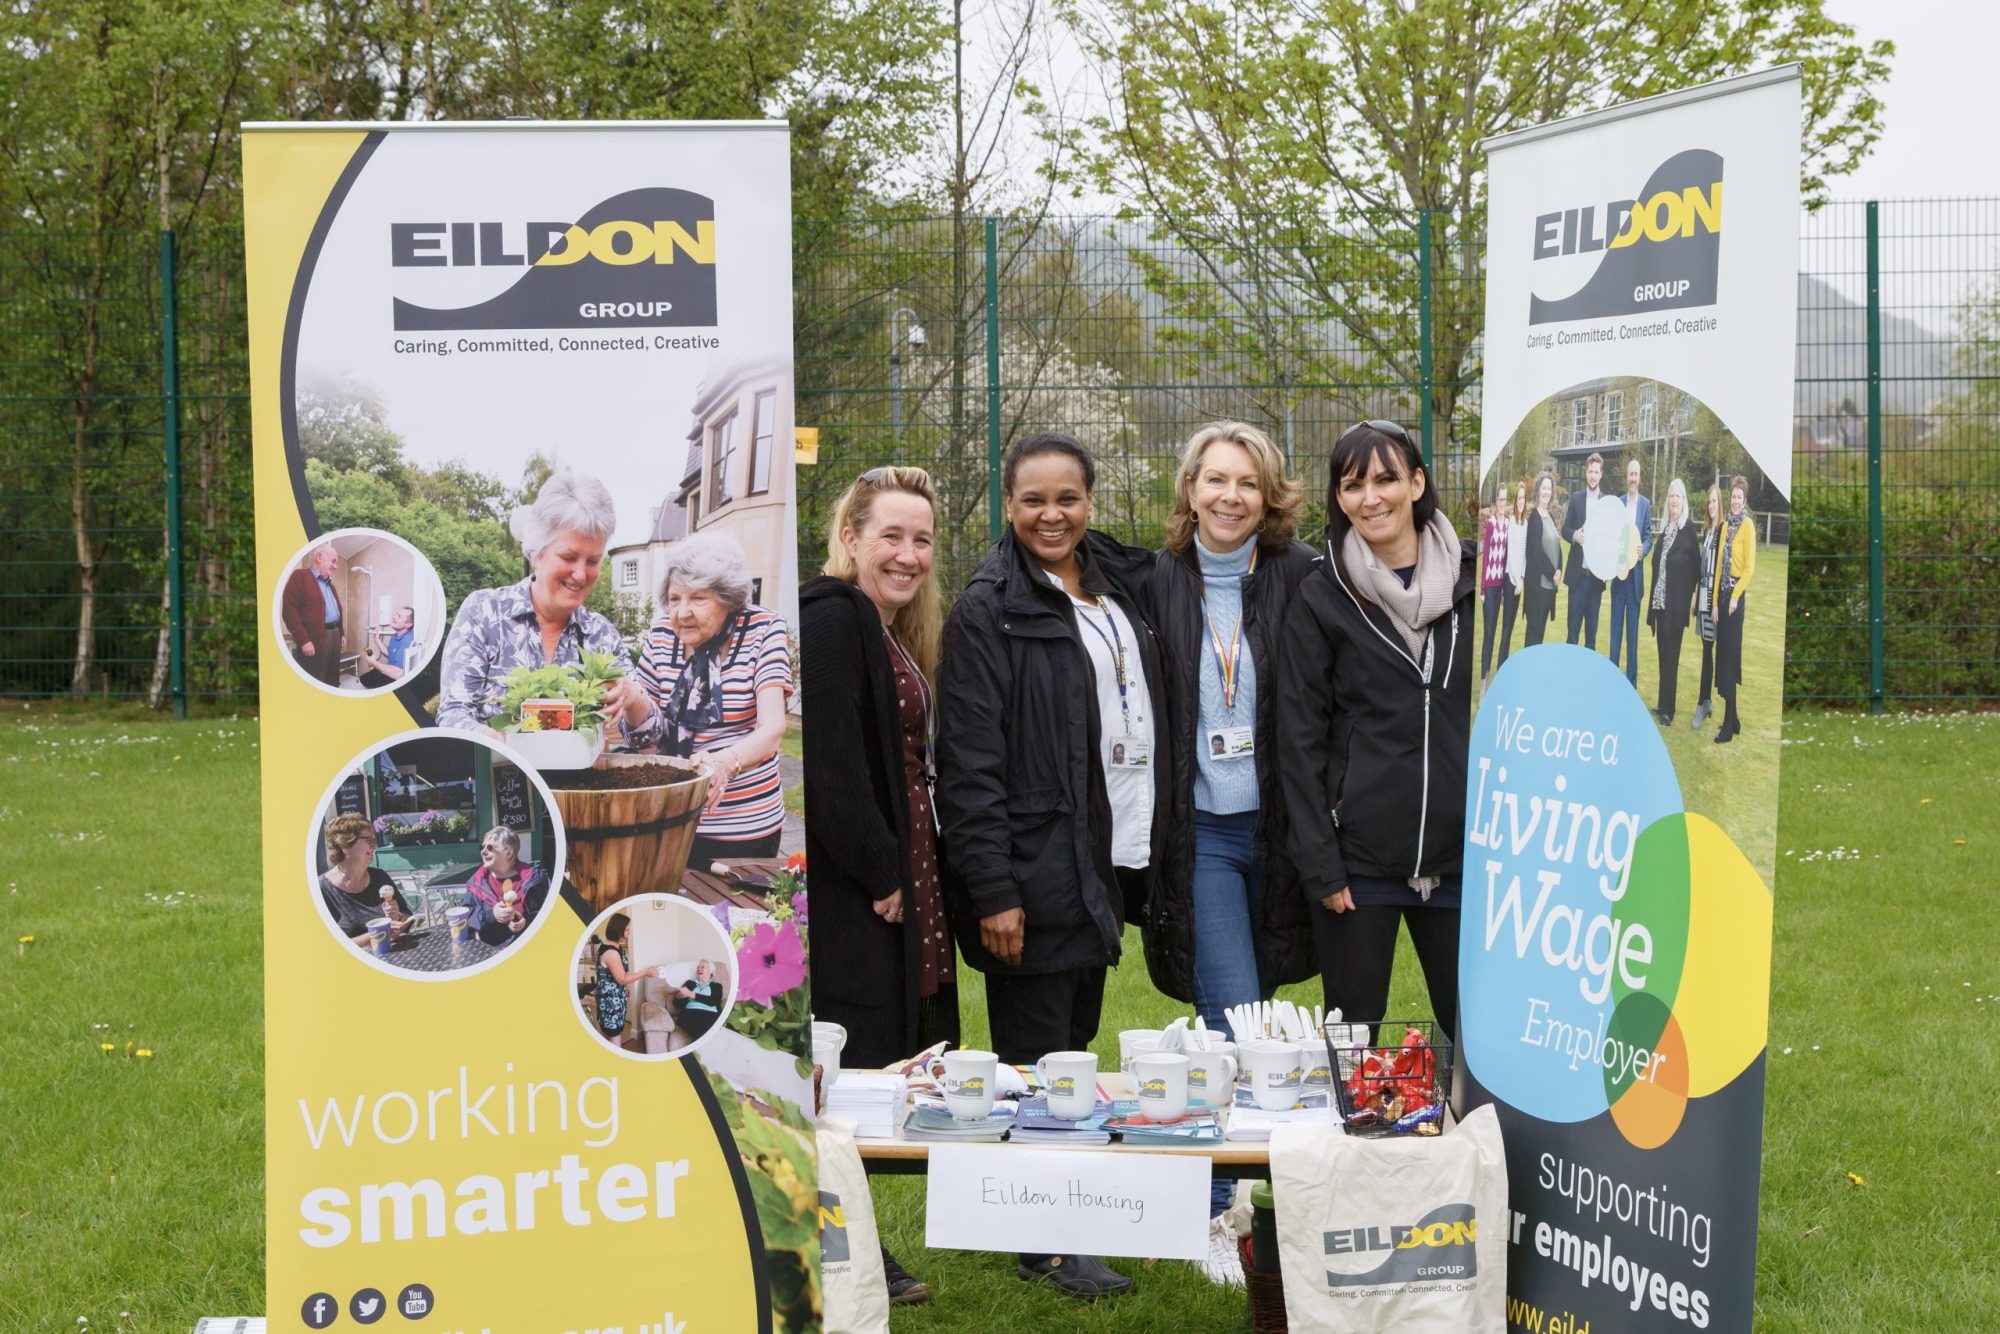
column 566, row 570
column 1226, row 497
column 1049, row 506
column 1380, row 499
column 892, row 554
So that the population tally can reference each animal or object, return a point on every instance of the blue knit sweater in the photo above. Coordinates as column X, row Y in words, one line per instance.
column 1225, row 787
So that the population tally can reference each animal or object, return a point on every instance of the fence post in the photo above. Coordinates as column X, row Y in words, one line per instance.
column 992, row 378
column 170, row 404
column 1424, row 333
column 1874, row 460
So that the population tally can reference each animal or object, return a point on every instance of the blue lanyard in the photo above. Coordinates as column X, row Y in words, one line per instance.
column 1116, row 643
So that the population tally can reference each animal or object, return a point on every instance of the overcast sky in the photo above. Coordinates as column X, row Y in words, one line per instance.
column 1938, row 103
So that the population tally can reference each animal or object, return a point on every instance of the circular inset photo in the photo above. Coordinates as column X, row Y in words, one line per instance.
column 435, row 855
column 655, row 977
column 359, row 612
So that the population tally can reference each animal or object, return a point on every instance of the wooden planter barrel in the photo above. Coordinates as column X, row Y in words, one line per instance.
column 630, row 840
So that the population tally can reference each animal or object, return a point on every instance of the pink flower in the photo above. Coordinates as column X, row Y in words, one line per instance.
column 771, row 961
column 799, row 905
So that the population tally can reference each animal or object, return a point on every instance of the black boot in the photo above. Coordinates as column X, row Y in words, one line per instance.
column 903, row 1290
column 1084, row 1277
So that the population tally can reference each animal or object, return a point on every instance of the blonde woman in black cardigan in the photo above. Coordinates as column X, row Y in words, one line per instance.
column 882, row 959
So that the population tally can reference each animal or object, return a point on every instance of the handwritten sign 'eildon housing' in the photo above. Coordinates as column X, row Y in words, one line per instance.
column 1067, row 1201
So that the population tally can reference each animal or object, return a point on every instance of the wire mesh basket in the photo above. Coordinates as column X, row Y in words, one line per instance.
column 1391, row 1088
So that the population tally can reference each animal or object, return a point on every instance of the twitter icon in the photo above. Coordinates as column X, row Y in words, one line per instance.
column 366, row 1306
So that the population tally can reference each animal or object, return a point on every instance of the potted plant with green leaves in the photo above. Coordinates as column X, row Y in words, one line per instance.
column 554, row 715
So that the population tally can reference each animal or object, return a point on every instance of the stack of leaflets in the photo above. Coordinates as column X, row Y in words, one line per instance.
column 931, row 1121
column 1034, row 1125
column 1248, row 1121
column 1194, row 1128
column 872, row 1099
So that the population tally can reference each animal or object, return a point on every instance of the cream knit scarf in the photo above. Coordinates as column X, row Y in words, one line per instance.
column 1428, row 597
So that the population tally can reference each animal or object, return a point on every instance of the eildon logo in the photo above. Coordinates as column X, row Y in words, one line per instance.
column 641, row 259
column 832, row 1229
column 1154, row 1087
column 1442, row 1245
column 1660, row 250
column 1064, row 1084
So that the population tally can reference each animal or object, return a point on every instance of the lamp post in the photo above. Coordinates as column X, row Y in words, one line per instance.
column 915, row 335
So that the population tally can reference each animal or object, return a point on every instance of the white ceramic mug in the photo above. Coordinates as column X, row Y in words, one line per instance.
column 968, row 1082
column 1276, row 1070
column 1162, row 1080
column 1211, row 1078
column 1072, row 1080
column 1318, row 1065
column 1134, row 1041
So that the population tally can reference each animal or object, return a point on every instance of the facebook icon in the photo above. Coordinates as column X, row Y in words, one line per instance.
column 319, row 1311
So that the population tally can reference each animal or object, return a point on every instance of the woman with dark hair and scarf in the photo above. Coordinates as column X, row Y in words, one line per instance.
column 717, row 670
column 1375, row 702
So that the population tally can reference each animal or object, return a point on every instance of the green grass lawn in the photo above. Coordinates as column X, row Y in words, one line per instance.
column 136, row 1185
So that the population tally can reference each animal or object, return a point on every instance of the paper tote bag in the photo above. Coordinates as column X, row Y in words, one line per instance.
column 1393, row 1234
column 850, row 1254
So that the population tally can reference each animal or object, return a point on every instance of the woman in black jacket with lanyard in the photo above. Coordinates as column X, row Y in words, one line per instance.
column 1374, row 715
column 1050, row 771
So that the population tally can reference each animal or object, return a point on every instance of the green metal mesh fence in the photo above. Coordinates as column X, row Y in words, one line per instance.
column 941, row 341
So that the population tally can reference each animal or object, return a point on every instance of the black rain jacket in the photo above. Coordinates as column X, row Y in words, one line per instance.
column 1372, row 741
column 1020, row 787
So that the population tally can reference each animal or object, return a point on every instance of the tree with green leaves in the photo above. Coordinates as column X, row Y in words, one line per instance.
column 1296, row 146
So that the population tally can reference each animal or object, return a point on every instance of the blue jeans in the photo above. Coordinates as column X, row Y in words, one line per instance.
column 1626, row 613
column 1227, row 892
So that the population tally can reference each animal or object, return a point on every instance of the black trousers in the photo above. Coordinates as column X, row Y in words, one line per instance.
column 1492, row 602
column 1357, row 950
column 1033, row 1014
column 1668, row 638
column 1541, row 610
column 1707, row 670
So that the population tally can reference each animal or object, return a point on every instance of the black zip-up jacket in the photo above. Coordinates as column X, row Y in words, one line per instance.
column 1020, row 789
column 1372, row 741
column 1283, row 934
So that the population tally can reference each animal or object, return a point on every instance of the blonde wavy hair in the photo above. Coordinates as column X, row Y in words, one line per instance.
column 1283, row 497
column 919, row 625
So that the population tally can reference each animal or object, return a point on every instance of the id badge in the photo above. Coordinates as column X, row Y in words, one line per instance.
column 1232, row 743
column 1131, row 752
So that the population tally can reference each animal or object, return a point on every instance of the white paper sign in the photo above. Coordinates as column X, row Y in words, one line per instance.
column 1067, row 1202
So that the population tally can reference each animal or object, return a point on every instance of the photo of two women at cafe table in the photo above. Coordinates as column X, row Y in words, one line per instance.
column 1229, row 763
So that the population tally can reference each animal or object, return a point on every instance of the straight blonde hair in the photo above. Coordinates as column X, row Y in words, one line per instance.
column 1282, row 495
column 919, row 625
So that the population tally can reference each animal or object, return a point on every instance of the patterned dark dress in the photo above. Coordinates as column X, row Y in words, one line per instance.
column 926, row 913
column 610, row 1000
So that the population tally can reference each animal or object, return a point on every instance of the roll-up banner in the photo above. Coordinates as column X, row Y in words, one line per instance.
column 527, row 1069
column 1622, row 790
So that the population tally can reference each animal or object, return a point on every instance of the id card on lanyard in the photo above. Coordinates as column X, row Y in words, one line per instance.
column 1230, row 743
column 1128, row 749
